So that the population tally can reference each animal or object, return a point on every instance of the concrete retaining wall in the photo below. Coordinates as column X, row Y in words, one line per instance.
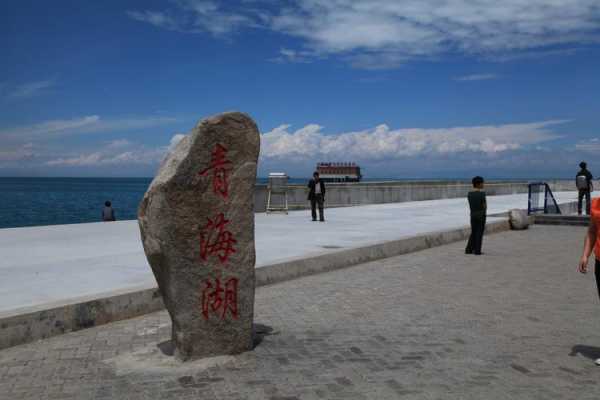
column 26, row 325
column 35, row 323
column 292, row 269
column 352, row 194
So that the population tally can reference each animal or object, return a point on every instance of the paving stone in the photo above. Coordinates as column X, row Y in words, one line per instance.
column 516, row 323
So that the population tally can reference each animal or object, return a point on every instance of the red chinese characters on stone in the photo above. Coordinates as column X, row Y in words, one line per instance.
column 219, row 299
column 216, row 240
column 220, row 167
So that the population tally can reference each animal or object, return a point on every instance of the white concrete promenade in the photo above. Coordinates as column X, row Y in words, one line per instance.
column 48, row 264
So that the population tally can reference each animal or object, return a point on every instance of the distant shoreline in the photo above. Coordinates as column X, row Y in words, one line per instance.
column 38, row 201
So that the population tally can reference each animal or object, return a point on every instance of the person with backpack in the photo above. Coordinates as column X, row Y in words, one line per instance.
column 583, row 180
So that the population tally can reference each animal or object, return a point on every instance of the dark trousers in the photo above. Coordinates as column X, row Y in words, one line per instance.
column 587, row 195
column 597, row 273
column 317, row 200
column 476, row 238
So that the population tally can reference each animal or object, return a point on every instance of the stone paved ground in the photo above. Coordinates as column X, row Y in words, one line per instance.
column 517, row 323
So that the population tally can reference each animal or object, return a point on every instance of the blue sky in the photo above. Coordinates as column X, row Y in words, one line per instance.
column 411, row 89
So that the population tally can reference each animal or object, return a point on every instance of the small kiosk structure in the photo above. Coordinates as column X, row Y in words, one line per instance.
column 277, row 189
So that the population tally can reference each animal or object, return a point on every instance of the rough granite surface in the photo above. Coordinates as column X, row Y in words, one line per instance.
column 197, row 227
column 518, row 219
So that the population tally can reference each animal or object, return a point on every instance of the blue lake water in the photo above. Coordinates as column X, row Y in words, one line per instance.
column 51, row 201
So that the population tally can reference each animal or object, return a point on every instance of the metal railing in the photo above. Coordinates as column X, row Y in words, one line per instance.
column 541, row 199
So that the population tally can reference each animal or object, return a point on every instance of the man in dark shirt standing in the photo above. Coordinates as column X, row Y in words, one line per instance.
column 583, row 180
column 316, row 195
column 478, row 206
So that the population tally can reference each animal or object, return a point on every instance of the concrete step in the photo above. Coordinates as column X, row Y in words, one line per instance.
column 559, row 219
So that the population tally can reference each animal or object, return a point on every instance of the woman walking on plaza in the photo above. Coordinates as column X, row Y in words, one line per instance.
column 592, row 242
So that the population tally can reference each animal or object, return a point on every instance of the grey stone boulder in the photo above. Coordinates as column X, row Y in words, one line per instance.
column 197, row 227
column 518, row 219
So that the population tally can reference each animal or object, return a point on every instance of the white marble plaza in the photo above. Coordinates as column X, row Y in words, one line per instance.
column 41, row 265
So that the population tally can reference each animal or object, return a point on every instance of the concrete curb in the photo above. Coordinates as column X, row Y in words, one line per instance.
column 293, row 269
column 568, row 217
column 34, row 323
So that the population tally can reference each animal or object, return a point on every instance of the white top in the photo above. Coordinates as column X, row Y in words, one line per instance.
column 317, row 187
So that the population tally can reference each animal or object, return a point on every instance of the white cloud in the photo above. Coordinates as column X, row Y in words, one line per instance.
column 50, row 128
column 156, row 18
column 476, row 77
column 293, row 56
column 82, row 160
column 196, row 16
column 87, row 124
column 30, row 89
column 137, row 156
column 398, row 30
column 175, row 141
column 590, row 145
column 381, row 151
column 133, row 123
column 19, row 153
column 118, row 143
column 386, row 33
column 128, row 154
column 533, row 54
column 383, row 143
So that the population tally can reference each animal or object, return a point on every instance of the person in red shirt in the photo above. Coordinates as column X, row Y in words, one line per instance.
column 592, row 243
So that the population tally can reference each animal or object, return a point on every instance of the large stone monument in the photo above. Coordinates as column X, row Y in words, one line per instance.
column 197, row 226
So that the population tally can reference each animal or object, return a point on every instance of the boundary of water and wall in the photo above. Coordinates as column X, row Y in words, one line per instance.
column 364, row 193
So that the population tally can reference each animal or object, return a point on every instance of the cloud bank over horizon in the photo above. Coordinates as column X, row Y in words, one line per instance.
column 519, row 150
column 380, row 148
column 382, row 142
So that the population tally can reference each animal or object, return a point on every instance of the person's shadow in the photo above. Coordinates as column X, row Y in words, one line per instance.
column 591, row 352
column 260, row 331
